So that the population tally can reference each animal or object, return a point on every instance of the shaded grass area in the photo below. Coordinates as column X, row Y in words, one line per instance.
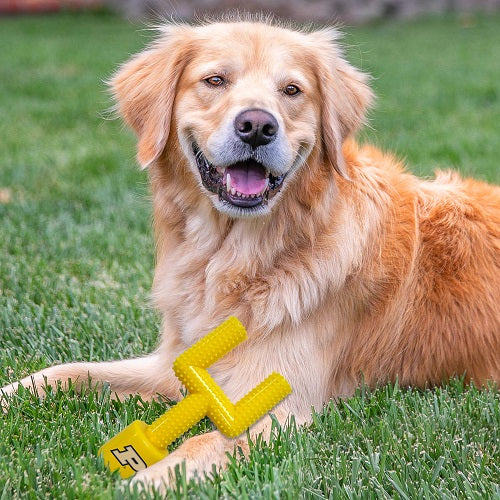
column 76, row 261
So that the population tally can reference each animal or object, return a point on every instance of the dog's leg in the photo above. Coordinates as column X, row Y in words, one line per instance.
column 146, row 376
column 200, row 454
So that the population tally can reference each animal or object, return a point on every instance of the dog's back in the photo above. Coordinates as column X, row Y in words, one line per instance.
column 459, row 259
column 435, row 280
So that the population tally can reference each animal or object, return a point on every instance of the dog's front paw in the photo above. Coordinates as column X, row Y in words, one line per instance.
column 194, row 459
column 162, row 475
column 5, row 393
column 9, row 389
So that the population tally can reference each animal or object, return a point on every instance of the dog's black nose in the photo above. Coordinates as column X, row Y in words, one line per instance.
column 256, row 127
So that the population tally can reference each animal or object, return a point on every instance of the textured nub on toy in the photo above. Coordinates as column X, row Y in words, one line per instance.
column 138, row 446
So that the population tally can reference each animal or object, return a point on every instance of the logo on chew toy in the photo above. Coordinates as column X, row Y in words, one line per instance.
column 140, row 445
column 128, row 456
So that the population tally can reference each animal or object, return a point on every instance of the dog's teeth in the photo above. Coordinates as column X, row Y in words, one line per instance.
column 228, row 182
column 233, row 191
column 244, row 196
column 265, row 188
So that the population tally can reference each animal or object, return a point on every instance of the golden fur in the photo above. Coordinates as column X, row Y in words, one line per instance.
column 355, row 271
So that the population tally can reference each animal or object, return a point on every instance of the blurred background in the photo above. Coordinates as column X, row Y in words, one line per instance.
column 348, row 11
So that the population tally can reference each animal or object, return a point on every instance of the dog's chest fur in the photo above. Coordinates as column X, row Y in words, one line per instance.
column 271, row 273
column 204, row 275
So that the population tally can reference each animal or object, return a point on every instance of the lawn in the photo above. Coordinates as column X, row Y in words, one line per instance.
column 76, row 262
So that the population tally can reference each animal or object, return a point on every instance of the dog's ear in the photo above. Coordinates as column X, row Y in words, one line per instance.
column 145, row 87
column 345, row 97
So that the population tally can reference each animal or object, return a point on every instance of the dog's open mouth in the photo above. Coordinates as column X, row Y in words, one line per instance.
column 244, row 184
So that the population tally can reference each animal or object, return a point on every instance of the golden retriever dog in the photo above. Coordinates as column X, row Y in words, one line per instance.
column 343, row 267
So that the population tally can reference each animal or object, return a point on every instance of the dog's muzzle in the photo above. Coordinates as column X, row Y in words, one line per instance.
column 245, row 184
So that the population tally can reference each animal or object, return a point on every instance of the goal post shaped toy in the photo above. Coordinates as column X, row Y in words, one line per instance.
column 140, row 445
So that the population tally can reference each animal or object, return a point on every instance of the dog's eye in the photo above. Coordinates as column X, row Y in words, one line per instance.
column 291, row 90
column 215, row 81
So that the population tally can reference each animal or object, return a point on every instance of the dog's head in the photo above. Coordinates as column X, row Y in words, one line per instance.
column 248, row 103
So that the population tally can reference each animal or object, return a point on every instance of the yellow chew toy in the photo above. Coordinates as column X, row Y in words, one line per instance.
column 140, row 445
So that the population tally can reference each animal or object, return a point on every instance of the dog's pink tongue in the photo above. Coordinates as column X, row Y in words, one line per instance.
column 248, row 177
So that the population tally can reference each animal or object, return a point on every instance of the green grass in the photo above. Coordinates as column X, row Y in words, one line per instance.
column 76, row 261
